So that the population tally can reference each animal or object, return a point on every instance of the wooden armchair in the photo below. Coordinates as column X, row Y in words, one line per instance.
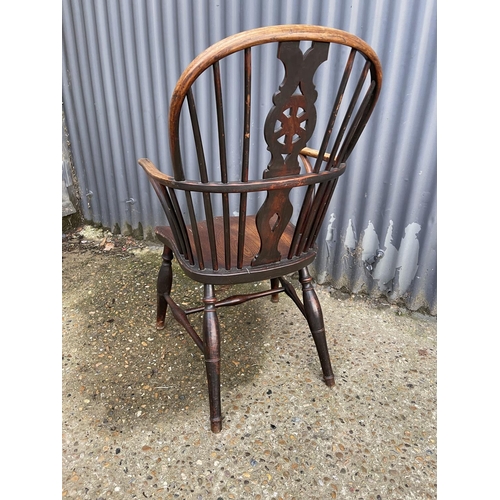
column 239, row 222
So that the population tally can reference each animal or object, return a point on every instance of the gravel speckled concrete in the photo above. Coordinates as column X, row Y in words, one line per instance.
column 135, row 405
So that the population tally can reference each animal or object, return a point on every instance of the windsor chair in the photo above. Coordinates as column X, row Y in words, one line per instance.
column 246, row 223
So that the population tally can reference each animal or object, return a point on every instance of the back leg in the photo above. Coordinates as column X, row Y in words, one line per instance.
column 163, row 286
column 275, row 283
column 314, row 317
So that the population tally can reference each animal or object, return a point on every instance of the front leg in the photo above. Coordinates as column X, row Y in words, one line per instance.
column 163, row 286
column 314, row 317
column 211, row 341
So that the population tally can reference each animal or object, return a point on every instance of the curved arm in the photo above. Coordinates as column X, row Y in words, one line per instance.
column 311, row 153
column 307, row 166
column 286, row 182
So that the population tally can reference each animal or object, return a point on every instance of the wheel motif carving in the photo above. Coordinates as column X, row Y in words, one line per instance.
column 291, row 125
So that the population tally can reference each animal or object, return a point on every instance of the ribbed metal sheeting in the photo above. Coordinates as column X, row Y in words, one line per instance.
column 122, row 59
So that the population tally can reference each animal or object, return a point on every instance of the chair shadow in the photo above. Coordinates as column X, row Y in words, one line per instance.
column 134, row 373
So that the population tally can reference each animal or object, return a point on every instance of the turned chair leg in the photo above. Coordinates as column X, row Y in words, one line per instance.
column 211, row 340
column 314, row 317
column 163, row 286
column 275, row 283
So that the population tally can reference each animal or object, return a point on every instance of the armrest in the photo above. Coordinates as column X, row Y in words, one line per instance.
column 153, row 172
column 313, row 153
column 287, row 182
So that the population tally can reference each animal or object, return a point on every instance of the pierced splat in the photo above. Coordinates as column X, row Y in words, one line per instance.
column 289, row 125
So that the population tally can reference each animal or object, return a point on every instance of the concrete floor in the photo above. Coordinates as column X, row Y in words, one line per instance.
column 135, row 407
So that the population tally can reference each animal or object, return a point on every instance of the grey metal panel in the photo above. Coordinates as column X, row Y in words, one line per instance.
column 122, row 59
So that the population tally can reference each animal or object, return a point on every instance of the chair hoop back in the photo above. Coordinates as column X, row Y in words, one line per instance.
column 210, row 234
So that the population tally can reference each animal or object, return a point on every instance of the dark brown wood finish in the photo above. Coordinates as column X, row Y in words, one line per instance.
column 211, row 339
column 215, row 247
column 164, row 286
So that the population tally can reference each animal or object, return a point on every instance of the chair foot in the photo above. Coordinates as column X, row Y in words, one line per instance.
column 314, row 317
column 163, row 286
column 211, row 341
column 161, row 312
column 216, row 425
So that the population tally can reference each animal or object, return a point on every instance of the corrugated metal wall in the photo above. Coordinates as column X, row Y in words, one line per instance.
column 122, row 59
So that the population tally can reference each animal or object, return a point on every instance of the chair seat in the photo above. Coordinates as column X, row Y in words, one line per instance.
column 247, row 273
